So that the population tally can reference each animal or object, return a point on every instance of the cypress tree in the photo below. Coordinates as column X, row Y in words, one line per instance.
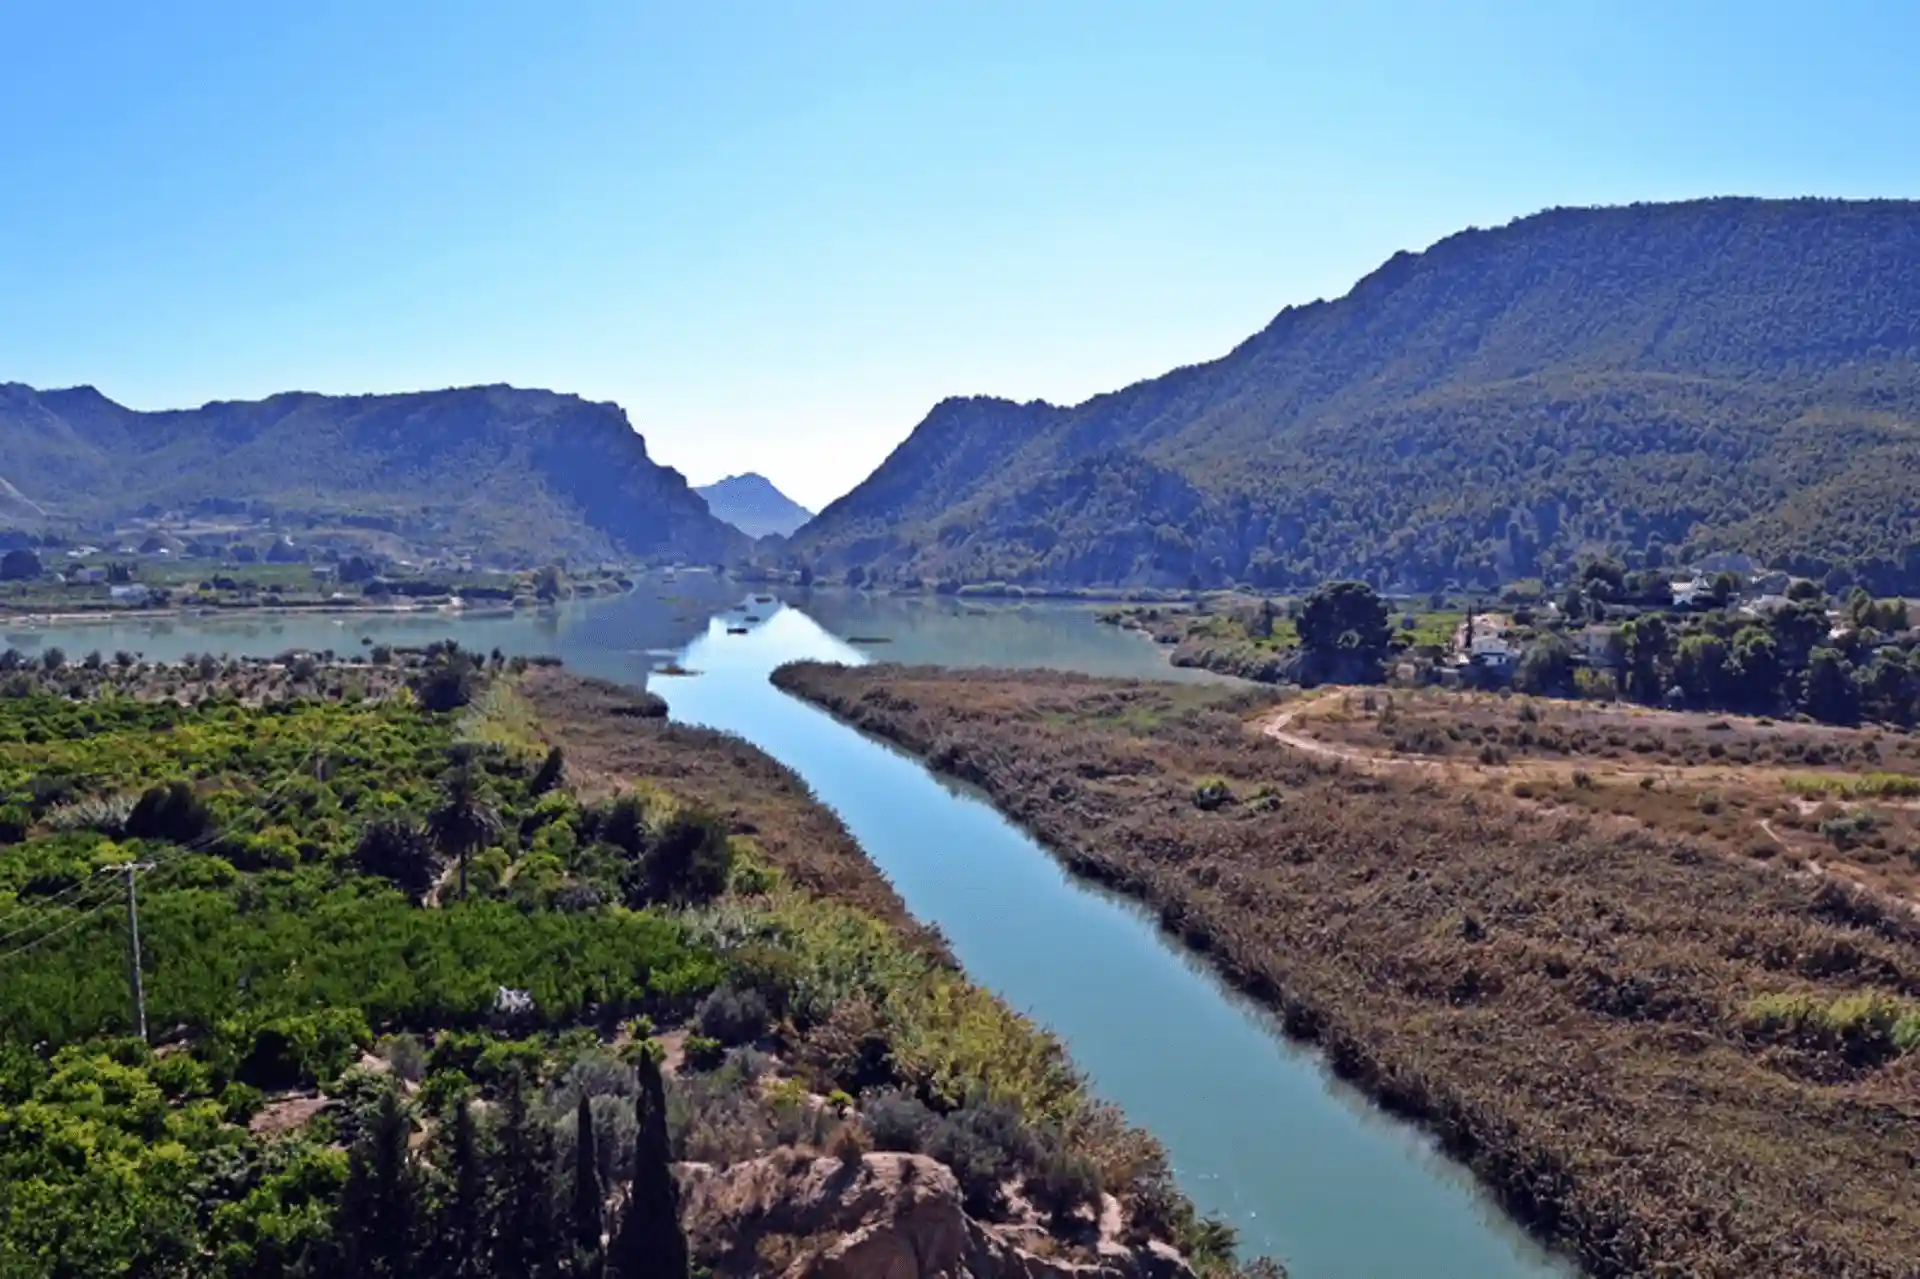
column 588, row 1197
column 651, row 1244
column 525, row 1235
column 381, row 1202
column 460, row 1225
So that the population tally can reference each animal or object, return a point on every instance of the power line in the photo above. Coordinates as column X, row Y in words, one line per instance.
column 166, row 857
column 89, row 887
column 22, row 908
column 67, row 927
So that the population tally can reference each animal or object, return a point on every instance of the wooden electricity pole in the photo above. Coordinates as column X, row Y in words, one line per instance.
column 130, row 869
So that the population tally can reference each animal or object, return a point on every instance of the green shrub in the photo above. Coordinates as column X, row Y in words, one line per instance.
column 171, row 812
column 502, row 1060
column 286, row 1052
column 1211, row 793
column 1063, row 1184
column 181, row 1077
column 240, row 1102
column 441, row 1090
column 686, row 863
column 703, row 1053
column 733, row 1016
column 1865, row 1027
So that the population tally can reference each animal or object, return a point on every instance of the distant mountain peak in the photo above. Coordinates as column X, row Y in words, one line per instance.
column 750, row 502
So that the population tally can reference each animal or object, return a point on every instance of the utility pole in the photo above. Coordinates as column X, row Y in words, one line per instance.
column 130, row 869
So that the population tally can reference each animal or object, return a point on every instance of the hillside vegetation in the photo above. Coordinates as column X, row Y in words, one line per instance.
column 1658, row 382
column 494, row 470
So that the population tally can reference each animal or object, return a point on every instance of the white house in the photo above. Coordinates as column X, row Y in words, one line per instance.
column 1492, row 652
column 133, row 594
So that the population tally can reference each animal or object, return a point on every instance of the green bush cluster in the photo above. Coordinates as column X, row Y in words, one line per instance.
column 1865, row 1028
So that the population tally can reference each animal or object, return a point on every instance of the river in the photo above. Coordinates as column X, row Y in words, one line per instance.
column 1258, row 1130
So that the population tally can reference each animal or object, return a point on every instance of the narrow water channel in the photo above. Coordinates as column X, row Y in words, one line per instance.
column 1258, row 1131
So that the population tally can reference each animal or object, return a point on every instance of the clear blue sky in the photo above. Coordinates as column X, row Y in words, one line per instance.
column 777, row 233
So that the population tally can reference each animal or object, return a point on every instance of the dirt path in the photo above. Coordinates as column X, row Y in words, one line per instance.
column 1278, row 727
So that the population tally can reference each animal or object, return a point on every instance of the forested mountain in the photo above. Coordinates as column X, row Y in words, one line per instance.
column 753, row 505
column 1655, row 381
column 495, row 470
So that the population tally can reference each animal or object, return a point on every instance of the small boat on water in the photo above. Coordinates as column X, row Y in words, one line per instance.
column 763, row 599
column 753, row 617
column 736, row 630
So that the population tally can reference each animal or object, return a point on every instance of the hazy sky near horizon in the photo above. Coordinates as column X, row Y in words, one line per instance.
column 777, row 233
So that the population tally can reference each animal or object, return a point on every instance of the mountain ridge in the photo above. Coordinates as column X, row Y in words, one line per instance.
column 754, row 505
column 505, row 473
column 1640, row 380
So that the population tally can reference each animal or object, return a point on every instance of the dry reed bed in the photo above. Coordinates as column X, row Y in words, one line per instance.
column 1562, row 1004
column 1843, row 800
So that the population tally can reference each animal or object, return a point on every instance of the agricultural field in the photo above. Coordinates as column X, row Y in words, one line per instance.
column 1661, row 1051
column 440, row 970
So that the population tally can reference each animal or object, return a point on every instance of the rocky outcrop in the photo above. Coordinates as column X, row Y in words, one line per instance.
column 883, row 1216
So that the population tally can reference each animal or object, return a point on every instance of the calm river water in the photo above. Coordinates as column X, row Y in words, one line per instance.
column 1259, row 1132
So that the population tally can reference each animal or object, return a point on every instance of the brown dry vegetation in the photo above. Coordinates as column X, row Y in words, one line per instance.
column 1837, row 801
column 609, row 740
column 1635, row 1041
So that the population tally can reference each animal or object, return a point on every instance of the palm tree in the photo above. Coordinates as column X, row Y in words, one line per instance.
column 464, row 819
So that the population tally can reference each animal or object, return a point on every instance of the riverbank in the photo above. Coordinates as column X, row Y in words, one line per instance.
column 1580, row 1013
column 109, row 616
column 927, row 1029
column 630, row 888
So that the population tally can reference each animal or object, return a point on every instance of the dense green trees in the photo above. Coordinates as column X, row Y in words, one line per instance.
column 499, row 1130
column 1344, row 632
column 19, row 565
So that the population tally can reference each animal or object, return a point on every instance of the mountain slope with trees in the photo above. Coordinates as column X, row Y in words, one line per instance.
column 1657, row 382
column 753, row 505
column 509, row 472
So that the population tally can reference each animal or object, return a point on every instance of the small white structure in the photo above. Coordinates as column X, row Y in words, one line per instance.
column 1492, row 652
column 133, row 594
column 87, row 576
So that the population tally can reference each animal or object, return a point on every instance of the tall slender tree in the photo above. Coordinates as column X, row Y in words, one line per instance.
column 380, row 1205
column 588, row 1195
column 651, row 1243
column 460, row 1217
column 526, row 1238
column 464, row 820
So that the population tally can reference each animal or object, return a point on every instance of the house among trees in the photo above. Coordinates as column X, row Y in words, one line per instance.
column 1492, row 654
